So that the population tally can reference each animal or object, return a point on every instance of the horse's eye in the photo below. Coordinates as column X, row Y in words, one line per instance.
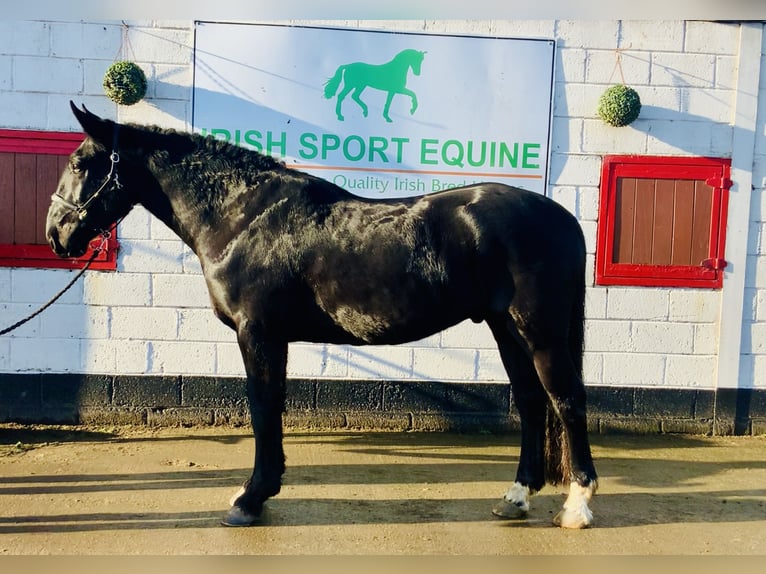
column 75, row 167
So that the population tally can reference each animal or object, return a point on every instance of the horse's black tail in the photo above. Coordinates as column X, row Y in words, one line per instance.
column 331, row 85
column 558, row 464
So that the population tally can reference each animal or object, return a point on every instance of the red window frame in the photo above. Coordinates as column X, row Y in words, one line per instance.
column 715, row 172
column 39, row 255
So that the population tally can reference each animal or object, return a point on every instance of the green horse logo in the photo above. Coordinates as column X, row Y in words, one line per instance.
column 390, row 77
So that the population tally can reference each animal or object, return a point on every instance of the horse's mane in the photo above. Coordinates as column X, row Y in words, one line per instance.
column 206, row 147
column 213, row 166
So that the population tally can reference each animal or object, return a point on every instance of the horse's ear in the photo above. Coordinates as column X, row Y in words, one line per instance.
column 98, row 129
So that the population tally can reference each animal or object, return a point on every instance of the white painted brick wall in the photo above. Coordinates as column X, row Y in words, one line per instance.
column 445, row 364
column 684, row 70
column 151, row 256
column 144, row 323
column 202, row 325
column 75, row 322
column 117, row 289
column 637, row 303
column 99, row 356
column 671, row 338
column 693, row 306
column 179, row 290
column 655, row 35
column 305, row 361
column 84, row 41
column 25, row 38
column 5, row 72
column 705, row 339
column 490, row 367
column 181, row 357
column 602, row 67
column 133, row 357
column 753, row 359
column 634, row 369
column 5, row 284
column 153, row 315
column 689, row 371
column 601, row 138
column 588, row 34
column 711, row 38
column 5, row 354
column 394, row 363
column 38, row 286
column 44, row 355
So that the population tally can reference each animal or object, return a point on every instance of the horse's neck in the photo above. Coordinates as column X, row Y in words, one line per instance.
column 195, row 198
column 167, row 204
column 176, row 201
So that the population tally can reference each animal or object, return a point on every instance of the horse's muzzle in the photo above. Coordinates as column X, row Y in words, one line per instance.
column 58, row 247
column 53, row 241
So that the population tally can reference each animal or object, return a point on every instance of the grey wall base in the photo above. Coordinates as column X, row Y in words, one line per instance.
column 362, row 405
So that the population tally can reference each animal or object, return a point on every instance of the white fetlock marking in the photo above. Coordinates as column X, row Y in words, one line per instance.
column 576, row 513
column 514, row 505
column 239, row 493
column 518, row 495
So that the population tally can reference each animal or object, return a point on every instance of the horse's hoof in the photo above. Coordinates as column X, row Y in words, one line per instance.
column 238, row 517
column 573, row 519
column 508, row 510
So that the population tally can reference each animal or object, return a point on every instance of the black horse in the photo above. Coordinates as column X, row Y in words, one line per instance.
column 291, row 257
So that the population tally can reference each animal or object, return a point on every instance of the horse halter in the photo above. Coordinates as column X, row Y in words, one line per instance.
column 112, row 183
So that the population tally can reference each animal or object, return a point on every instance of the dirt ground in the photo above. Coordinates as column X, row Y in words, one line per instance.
column 138, row 491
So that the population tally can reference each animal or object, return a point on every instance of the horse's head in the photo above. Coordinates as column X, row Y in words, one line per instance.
column 93, row 193
column 410, row 58
column 416, row 60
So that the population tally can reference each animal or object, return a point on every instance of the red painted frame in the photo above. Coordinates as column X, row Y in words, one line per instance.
column 716, row 173
column 41, row 256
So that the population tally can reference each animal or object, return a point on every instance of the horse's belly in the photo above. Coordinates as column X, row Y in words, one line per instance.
column 401, row 322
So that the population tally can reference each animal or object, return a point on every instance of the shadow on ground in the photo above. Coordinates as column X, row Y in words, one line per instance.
column 644, row 480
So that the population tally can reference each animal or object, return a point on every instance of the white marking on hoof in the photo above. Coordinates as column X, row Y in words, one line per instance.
column 239, row 493
column 515, row 503
column 576, row 513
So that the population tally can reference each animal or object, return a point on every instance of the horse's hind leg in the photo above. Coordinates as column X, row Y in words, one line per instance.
column 339, row 102
column 567, row 395
column 265, row 363
column 548, row 318
column 530, row 399
column 357, row 97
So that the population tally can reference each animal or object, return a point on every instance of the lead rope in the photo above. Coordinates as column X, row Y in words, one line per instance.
column 104, row 238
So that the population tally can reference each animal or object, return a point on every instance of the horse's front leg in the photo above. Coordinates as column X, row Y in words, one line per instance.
column 389, row 99
column 413, row 99
column 265, row 364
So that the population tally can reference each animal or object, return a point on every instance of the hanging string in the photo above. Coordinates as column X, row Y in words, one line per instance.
column 125, row 51
column 129, row 53
column 617, row 66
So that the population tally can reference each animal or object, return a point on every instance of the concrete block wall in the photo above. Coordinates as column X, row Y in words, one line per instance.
column 151, row 317
column 685, row 73
column 753, row 359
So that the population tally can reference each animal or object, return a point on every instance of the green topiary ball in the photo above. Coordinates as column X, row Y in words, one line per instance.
column 619, row 105
column 125, row 83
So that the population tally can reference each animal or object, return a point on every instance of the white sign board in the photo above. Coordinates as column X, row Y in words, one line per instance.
column 380, row 114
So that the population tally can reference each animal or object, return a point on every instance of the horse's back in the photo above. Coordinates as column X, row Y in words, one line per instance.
column 530, row 226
